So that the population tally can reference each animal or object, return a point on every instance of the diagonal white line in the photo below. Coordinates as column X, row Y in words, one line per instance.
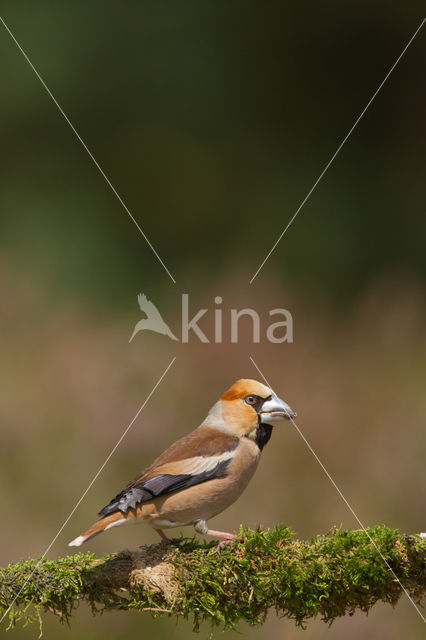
column 102, row 467
column 335, row 154
column 345, row 501
column 84, row 145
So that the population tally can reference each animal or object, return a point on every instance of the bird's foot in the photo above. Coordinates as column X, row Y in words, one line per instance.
column 164, row 539
column 200, row 526
column 225, row 537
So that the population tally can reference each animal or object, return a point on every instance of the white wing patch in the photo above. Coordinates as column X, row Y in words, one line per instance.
column 200, row 464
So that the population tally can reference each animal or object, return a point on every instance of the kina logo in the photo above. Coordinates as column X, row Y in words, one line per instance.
column 275, row 332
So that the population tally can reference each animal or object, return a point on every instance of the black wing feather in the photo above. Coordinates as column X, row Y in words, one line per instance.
column 162, row 484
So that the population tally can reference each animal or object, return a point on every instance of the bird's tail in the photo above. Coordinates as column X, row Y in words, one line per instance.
column 104, row 523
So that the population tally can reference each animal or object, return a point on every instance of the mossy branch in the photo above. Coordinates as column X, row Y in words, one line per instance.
column 328, row 576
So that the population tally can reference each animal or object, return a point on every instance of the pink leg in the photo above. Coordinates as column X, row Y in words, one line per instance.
column 220, row 534
column 163, row 536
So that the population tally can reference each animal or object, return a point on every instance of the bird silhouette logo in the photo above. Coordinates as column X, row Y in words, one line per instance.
column 153, row 320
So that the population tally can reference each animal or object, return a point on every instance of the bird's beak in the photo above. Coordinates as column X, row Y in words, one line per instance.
column 276, row 409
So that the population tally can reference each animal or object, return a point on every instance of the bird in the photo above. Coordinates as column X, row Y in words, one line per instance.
column 153, row 321
column 204, row 472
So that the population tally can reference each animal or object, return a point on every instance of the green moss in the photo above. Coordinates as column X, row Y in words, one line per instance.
column 50, row 584
column 328, row 576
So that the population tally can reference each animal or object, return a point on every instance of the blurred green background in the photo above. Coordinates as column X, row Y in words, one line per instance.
column 212, row 120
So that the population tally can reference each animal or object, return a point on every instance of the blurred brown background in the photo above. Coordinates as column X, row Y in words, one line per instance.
column 213, row 121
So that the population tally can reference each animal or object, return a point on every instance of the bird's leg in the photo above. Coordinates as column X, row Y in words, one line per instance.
column 221, row 534
column 164, row 538
column 200, row 526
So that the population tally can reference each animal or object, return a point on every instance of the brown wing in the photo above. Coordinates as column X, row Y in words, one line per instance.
column 202, row 455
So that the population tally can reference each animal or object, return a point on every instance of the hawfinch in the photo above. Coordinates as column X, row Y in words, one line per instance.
column 204, row 472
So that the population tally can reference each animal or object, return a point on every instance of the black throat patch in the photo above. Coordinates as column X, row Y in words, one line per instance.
column 263, row 433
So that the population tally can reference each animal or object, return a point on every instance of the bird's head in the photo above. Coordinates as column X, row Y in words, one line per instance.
column 245, row 406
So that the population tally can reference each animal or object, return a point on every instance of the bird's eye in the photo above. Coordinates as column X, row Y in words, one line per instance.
column 250, row 400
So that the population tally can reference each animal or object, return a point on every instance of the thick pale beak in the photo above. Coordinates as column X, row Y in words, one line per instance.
column 276, row 409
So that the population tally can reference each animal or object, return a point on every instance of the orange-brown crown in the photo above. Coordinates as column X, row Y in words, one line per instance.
column 245, row 386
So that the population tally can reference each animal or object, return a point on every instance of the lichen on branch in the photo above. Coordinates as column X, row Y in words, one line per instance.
column 328, row 576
